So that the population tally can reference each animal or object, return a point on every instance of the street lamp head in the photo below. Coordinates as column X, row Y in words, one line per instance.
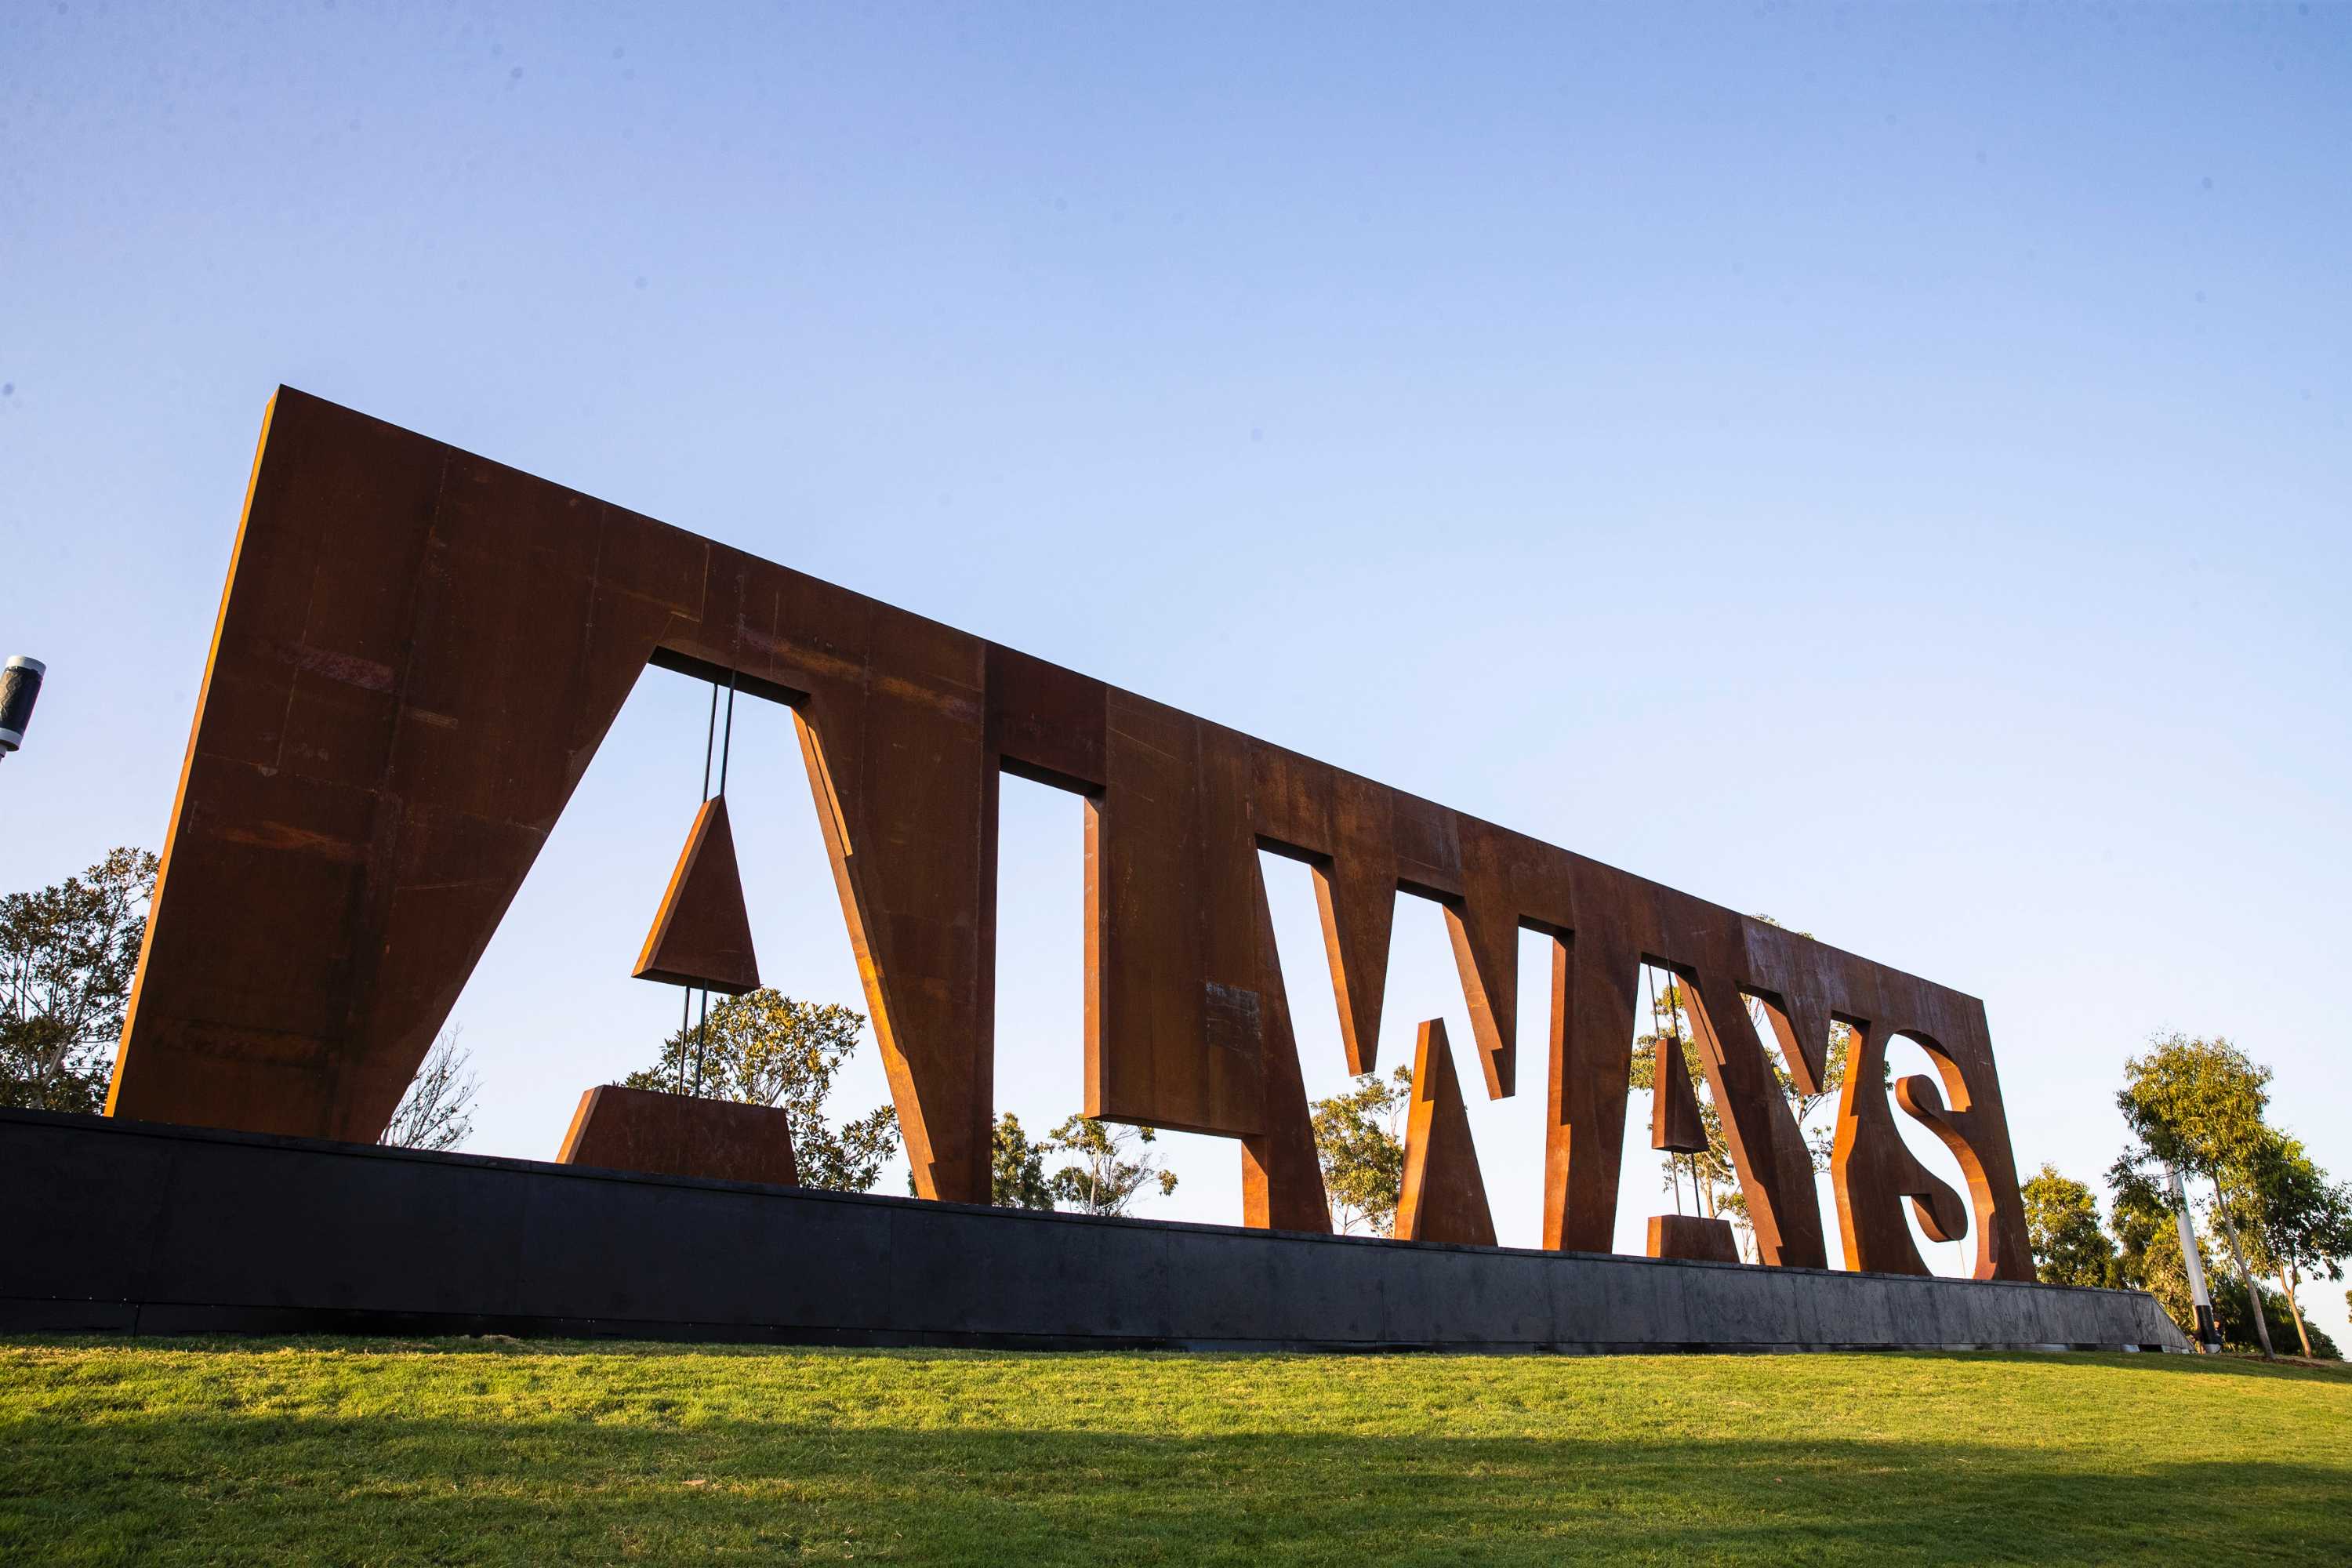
column 20, row 684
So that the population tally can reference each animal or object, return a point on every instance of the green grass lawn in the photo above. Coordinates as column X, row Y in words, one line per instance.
column 461, row 1451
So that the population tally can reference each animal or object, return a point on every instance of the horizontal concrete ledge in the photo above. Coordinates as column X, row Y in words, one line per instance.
column 139, row 1228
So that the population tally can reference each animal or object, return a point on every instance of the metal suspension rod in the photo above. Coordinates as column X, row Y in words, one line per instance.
column 727, row 740
column 685, row 998
column 709, row 730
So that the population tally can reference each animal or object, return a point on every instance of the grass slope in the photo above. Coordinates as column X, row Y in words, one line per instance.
column 352, row 1452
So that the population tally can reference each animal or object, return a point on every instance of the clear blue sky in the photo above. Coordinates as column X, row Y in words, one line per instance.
column 1886, row 467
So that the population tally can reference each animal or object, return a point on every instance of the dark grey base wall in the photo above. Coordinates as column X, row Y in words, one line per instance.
column 133, row 1227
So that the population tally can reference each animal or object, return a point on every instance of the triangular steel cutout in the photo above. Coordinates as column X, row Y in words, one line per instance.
column 702, row 934
column 1445, row 1197
column 1675, row 1124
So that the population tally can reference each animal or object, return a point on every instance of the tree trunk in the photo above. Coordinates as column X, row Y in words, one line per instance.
column 2254, row 1291
column 2300, row 1333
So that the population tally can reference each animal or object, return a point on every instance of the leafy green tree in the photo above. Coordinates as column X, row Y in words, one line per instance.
column 2236, row 1321
column 2062, row 1223
column 1114, row 1165
column 68, row 954
column 2197, row 1106
column 764, row 1048
column 1359, row 1142
column 437, row 1111
column 1017, row 1174
column 2297, row 1221
column 2147, row 1257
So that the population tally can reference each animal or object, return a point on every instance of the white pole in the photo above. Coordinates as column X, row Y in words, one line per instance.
column 2208, row 1333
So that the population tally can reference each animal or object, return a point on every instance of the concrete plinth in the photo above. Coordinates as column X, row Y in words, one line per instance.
column 133, row 1228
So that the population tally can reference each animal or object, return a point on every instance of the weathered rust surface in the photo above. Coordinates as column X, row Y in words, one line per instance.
column 1595, row 976
column 617, row 1128
column 1693, row 1236
column 1356, row 894
column 1939, row 1210
column 1767, row 1148
column 1874, row 1170
column 419, row 651
column 1175, row 1033
column 1444, row 1196
column 417, row 655
column 1281, row 1177
column 701, row 935
column 1675, row 1124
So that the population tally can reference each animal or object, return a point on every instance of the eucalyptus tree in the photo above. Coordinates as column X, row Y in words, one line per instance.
column 1114, row 1165
column 68, row 954
column 2198, row 1105
column 1359, row 1142
column 2297, row 1221
column 1017, row 1166
column 2061, row 1223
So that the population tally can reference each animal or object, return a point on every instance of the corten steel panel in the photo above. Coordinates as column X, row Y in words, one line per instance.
column 1281, row 1177
column 1940, row 1211
column 416, row 657
column 1507, row 881
column 1342, row 826
column 701, row 935
column 418, row 652
column 1176, row 1025
column 1874, row 1170
column 892, row 730
column 1802, row 1036
column 617, row 1128
column 1768, row 1148
column 1595, row 976
column 1693, row 1238
column 1444, row 1197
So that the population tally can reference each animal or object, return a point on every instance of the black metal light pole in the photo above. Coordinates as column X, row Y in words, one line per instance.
column 20, row 684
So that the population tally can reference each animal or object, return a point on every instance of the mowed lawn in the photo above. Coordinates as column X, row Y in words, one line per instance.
column 468, row 1451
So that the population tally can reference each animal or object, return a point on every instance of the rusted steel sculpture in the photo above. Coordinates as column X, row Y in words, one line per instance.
column 680, row 1135
column 701, row 935
column 419, row 651
column 1871, row 1170
column 1282, row 1176
column 1675, row 1125
column 1445, row 1197
column 1693, row 1236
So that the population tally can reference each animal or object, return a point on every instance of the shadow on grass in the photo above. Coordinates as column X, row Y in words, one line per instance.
column 129, row 1487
